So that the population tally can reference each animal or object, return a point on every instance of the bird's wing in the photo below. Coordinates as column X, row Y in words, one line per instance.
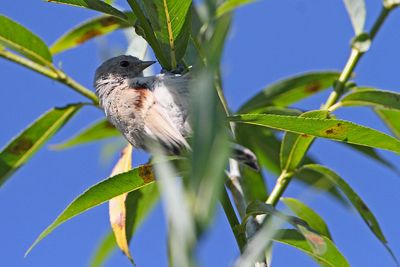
column 160, row 128
column 172, row 92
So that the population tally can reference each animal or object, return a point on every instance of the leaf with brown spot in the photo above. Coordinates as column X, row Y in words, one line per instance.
column 88, row 30
column 313, row 237
column 30, row 140
column 99, row 193
column 355, row 200
column 288, row 91
column 338, row 130
column 331, row 257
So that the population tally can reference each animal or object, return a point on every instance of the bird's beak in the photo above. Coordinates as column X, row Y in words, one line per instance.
column 145, row 64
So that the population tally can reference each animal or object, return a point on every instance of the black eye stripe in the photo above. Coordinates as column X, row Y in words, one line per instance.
column 124, row 63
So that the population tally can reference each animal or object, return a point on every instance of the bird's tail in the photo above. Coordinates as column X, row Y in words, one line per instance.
column 244, row 156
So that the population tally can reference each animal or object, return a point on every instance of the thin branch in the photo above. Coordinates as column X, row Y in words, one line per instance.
column 233, row 221
column 54, row 74
column 354, row 58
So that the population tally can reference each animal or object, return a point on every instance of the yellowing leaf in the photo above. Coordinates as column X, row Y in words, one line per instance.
column 117, row 207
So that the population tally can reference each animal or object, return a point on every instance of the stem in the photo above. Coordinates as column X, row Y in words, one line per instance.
column 355, row 56
column 353, row 60
column 54, row 74
column 281, row 184
column 233, row 221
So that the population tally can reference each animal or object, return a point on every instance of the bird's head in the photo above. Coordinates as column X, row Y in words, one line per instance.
column 117, row 70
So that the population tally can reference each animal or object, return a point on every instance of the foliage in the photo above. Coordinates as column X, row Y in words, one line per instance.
column 194, row 33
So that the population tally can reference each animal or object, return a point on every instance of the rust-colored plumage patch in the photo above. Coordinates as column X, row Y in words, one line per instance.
column 146, row 173
column 143, row 94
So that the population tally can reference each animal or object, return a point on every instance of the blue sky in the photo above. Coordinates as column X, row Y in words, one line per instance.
column 269, row 40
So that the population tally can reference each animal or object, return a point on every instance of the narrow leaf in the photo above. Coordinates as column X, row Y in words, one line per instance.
column 266, row 146
column 291, row 90
column 332, row 257
column 96, row 5
column 294, row 146
column 254, row 185
column 138, row 204
column 88, row 30
column 355, row 200
column 210, row 148
column 117, row 208
column 230, row 5
column 372, row 97
column 103, row 250
column 373, row 154
column 314, row 238
column 307, row 214
column 338, row 130
column 391, row 118
column 165, row 24
column 27, row 143
column 18, row 38
column 95, row 132
column 100, row 193
column 357, row 13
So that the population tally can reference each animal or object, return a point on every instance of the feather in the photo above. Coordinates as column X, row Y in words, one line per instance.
column 160, row 128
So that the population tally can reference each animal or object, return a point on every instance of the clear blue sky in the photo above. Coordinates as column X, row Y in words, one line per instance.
column 269, row 40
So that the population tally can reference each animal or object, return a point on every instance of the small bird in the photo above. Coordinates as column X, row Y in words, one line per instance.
column 152, row 109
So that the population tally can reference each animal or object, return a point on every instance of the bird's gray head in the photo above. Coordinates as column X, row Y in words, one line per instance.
column 118, row 70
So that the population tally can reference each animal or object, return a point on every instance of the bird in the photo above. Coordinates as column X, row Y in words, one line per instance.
column 153, row 109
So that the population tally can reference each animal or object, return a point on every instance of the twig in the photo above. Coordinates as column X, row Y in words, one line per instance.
column 354, row 58
column 53, row 73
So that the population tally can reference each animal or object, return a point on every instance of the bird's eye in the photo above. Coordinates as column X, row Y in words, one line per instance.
column 124, row 63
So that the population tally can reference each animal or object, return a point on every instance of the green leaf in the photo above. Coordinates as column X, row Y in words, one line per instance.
column 267, row 146
column 318, row 182
column 372, row 154
column 254, row 185
column 27, row 143
column 16, row 37
column 314, row 238
column 307, row 214
column 96, row 5
column 103, row 250
column 139, row 204
column 372, row 97
column 339, row 130
column 294, row 146
column 215, row 46
column 355, row 200
column 230, row 5
column 291, row 90
column 357, row 13
column 332, row 256
column 165, row 24
column 95, row 132
column 391, row 118
column 100, row 193
column 87, row 30
column 207, row 175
